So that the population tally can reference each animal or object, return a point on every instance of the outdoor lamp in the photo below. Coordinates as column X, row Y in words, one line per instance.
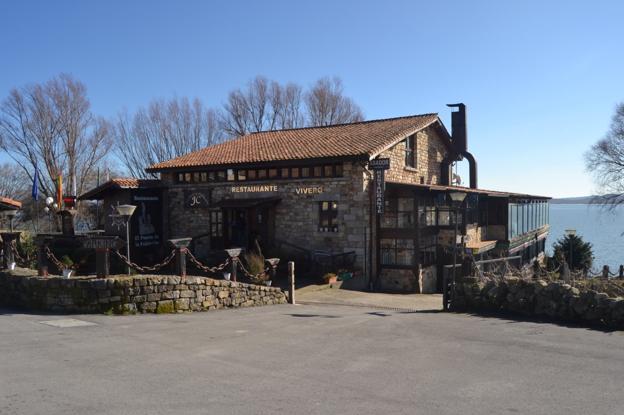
column 126, row 211
column 49, row 201
column 457, row 197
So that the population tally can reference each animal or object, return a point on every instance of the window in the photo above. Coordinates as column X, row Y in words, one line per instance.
column 410, row 147
column 318, row 171
column 196, row 177
column 251, row 174
column 338, row 170
column 397, row 252
column 216, row 223
column 328, row 216
column 328, row 170
column 294, row 172
column 305, row 172
column 262, row 174
column 204, row 177
column 230, row 175
column 272, row 173
column 242, row 175
column 398, row 213
column 221, row 176
column 285, row 174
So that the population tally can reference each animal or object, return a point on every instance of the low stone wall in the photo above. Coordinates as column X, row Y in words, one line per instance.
column 129, row 295
column 556, row 300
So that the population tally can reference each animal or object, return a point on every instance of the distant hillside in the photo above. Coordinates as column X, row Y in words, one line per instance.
column 582, row 200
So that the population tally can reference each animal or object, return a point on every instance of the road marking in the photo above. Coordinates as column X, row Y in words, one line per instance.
column 67, row 322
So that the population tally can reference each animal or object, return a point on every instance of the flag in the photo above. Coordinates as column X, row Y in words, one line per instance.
column 59, row 191
column 35, row 186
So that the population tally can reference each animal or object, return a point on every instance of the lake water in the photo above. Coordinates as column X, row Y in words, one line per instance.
column 596, row 225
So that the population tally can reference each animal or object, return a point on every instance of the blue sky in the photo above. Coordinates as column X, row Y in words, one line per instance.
column 540, row 79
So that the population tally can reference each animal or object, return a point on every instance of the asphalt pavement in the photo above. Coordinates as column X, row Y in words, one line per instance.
column 305, row 359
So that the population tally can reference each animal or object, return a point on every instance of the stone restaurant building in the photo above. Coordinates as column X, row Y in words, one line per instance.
column 317, row 190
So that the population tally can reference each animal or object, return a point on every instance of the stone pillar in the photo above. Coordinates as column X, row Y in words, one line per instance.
column 621, row 273
column 234, row 254
column 605, row 271
column 102, row 262
column 180, row 246
column 8, row 239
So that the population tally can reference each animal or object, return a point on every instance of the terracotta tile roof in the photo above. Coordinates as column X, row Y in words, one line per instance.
column 8, row 204
column 118, row 183
column 366, row 138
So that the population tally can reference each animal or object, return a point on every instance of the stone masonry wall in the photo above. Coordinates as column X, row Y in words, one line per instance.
column 296, row 215
column 129, row 295
column 556, row 300
column 430, row 151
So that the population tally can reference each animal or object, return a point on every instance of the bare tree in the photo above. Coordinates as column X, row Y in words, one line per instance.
column 327, row 105
column 257, row 108
column 164, row 130
column 605, row 160
column 50, row 127
column 13, row 181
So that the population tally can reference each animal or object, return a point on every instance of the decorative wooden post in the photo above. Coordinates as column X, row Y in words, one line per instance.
column 102, row 262
column 291, row 282
column 621, row 274
column 234, row 254
column 102, row 246
column 605, row 271
column 180, row 246
column 8, row 239
column 42, row 257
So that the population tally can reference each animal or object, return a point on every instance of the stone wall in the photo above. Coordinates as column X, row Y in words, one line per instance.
column 556, row 300
column 430, row 151
column 129, row 295
column 296, row 213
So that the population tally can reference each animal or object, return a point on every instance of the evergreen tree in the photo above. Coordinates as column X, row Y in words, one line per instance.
column 581, row 252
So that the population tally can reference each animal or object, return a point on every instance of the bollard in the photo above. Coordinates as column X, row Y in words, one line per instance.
column 180, row 246
column 605, row 271
column 102, row 262
column 621, row 275
column 291, row 282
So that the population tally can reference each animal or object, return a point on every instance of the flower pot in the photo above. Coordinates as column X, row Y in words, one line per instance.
column 67, row 273
column 227, row 275
column 268, row 283
column 12, row 266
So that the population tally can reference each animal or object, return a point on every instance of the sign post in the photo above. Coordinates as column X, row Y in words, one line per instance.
column 379, row 167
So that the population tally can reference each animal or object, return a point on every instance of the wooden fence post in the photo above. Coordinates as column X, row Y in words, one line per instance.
column 621, row 275
column 291, row 282
column 605, row 271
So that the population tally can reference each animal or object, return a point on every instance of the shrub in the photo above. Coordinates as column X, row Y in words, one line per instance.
column 254, row 263
column 581, row 251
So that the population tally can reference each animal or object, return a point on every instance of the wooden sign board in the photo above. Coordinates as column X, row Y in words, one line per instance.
column 379, row 164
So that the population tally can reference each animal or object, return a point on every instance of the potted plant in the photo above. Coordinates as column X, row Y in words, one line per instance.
column 68, row 263
column 330, row 278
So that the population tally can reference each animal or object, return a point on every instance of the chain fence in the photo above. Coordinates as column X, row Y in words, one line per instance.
column 205, row 268
column 145, row 269
column 56, row 262
column 21, row 261
column 259, row 277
